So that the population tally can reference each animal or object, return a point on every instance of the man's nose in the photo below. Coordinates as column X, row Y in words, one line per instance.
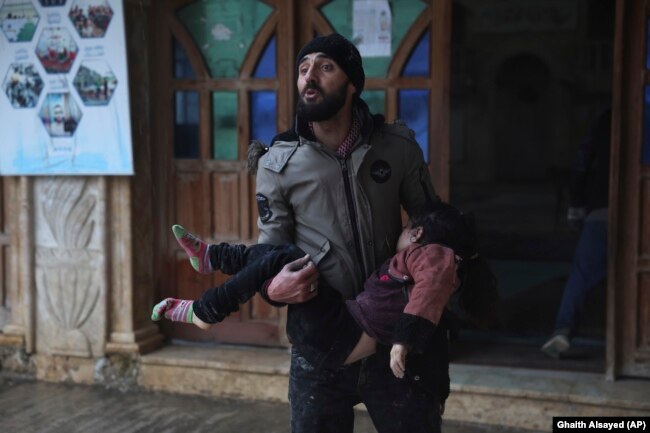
column 310, row 75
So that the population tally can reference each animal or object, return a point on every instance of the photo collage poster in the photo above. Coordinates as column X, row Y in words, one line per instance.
column 64, row 105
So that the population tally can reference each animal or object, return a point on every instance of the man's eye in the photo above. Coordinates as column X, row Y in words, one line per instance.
column 326, row 67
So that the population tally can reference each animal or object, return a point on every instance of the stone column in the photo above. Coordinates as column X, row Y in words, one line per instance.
column 131, row 277
column 19, row 331
column 131, row 202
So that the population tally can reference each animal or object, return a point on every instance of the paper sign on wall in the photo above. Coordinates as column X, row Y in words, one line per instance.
column 371, row 27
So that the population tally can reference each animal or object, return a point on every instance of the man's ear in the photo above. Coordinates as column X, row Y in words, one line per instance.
column 351, row 89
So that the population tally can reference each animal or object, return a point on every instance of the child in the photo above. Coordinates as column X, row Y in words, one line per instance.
column 402, row 303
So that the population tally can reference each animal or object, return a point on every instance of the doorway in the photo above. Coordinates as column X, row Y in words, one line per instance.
column 528, row 81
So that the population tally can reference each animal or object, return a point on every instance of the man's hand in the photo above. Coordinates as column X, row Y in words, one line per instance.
column 576, row 216
column 398, row 360
column 296, row 282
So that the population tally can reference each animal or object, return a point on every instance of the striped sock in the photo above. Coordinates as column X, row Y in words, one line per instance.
column 195, row 248
column 176, row 310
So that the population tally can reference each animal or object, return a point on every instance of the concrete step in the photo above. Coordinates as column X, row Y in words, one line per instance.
column 522, row 399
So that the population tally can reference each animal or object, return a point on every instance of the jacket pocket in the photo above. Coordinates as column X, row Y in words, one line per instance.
column 317, row 246
column 322, row 251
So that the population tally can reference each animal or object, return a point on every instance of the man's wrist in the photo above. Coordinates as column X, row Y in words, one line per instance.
column 264, row 293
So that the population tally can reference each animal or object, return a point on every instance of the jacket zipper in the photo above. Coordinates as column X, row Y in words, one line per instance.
column 353, row 214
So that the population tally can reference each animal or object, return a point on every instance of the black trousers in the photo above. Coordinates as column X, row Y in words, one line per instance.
column 322, row 399
column 250, row 267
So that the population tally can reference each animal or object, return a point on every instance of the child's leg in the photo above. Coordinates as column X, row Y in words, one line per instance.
column 324, row 332
column 178, row 310
column 231, row 258
column 365, row 347
column 261, row 262
column 227, row 258
column 195, row 248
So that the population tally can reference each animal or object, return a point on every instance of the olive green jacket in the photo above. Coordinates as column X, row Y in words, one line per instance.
column 344, row 213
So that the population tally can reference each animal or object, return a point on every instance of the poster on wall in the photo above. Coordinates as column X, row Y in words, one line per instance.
column 64, row 101
column 371, row 27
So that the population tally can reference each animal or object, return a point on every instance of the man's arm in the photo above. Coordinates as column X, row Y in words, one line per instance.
column 297, row 281
column 416, row 189
column 594, row 146
column 275, row 217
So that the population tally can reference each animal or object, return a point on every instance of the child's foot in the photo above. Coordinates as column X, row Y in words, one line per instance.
column 195, row 248
column 176, row 310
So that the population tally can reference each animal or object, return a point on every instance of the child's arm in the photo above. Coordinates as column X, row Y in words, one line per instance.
column 433, row 269
column 398, row 359
column 367, row 346
column 178, row 310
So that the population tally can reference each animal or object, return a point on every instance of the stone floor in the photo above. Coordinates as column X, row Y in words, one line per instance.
column 41, row 407
column 508, row 395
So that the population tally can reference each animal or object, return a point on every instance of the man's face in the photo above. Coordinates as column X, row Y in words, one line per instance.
column 58, row 114
column 323, row 86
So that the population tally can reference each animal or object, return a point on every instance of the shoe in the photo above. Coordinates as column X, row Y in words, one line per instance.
column 556, row 346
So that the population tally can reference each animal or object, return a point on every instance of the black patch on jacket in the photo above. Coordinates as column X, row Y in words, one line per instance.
column 263, row 207
column 380, row 171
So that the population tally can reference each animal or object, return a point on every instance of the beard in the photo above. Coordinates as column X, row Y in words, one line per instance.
column 325, row 109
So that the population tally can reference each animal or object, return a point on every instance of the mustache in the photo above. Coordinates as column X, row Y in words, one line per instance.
column 312, row 86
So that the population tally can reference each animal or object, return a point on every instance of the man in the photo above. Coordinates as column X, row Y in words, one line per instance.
column 333, row 186
column 588, row 210
column 57, row 125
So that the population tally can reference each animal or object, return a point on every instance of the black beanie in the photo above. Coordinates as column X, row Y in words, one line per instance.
column 343, row 52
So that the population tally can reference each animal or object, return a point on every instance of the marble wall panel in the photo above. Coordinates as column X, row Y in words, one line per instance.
column 70, row 265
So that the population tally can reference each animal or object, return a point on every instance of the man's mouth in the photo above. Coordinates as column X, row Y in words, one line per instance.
column 310, row 93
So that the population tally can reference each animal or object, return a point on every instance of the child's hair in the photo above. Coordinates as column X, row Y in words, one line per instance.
column 477, row 297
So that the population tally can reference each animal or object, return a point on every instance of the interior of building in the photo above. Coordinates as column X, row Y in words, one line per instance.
column 521, row 102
